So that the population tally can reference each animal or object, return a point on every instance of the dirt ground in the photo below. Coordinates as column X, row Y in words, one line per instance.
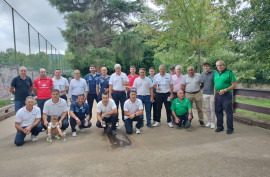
column 161, row 151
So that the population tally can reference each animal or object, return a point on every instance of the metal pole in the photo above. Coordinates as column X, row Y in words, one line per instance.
column 14, row 36
column 46, row 45
column 39, row 50
column 29, row 41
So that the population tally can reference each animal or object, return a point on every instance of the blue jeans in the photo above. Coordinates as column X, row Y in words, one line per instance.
column 19, row 138
column 112, row 119
column 183, row 119
column 90, row 100
column 224, row 103
column 65, row 123
column 129, row 123
column 18, row 104
column 119, row 97
column 73, row 124
column 41, row 103
column 147, row 105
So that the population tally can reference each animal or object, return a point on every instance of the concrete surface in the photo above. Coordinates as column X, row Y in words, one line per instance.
column 161, row 151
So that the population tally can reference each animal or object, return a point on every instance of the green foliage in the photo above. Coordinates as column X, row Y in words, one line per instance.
column 4, row 103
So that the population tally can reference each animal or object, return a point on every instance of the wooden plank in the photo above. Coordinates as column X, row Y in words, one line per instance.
column 252, row 93
column 248, row 107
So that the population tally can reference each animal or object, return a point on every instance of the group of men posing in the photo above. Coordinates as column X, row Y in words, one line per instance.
column 134, row 93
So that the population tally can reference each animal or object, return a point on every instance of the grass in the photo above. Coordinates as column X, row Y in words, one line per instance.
column 257, row 102
column 4, row 103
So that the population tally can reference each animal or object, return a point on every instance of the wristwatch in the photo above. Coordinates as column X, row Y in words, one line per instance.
column 77, row 119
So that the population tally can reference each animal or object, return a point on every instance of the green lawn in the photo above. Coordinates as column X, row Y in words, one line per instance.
column 4, row 103
column 257, row 102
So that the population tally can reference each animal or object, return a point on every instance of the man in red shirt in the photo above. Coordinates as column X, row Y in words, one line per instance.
column 43, row 88
column 131, row 77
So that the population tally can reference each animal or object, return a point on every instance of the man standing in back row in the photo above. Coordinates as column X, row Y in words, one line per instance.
column 225, row 82
column 60, row 83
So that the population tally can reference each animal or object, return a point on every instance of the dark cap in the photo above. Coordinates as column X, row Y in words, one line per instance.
column 172, row 67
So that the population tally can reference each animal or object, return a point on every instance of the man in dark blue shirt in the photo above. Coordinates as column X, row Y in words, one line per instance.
column 91, row 80
column 79, row 115
column 102, row 83
column 21, row 86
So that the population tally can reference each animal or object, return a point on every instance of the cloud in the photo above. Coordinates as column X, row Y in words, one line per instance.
column 43, row 17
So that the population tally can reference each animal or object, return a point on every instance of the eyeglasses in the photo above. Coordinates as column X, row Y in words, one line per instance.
column 132, row 90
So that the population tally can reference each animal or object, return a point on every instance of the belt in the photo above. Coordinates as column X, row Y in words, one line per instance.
column 118, row 90
column 193, row 92
column 143, row 95
column 164, row 93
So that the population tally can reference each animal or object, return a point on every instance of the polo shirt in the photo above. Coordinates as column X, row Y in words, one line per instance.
column 22, row 87
column 208, row 82
column 43, row 87
column 80, row 112
column 223, row 80
column 154, row 90
column 104, row 109
column 163, row 82
column 103, row 83
column 116, row 81
column 27, row 118
column 180, row 108
column 131, row 80
column 193, row 84
column 132, row 107
column 92, row 81
column 143, row 85
column 77, row 87
column 60, row 84
column 177, row 83
column 51, row 108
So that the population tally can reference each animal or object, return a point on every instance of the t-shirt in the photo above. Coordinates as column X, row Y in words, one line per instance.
column 50, row 108
column 193, row 84
column 92, row 81
column 60, row 84
column 142, row 86
column 223, row 80
column 80, row 112
column 22, row 87
column 51, row 126
column 131, row 80
column 103, row 83
column 132, row 107
column 104, row 109
column 116, row 81
column 43, row 87
column 180, row 108
column 208, row 82
column 77, row 87
column 27, row 118
column 163, row 82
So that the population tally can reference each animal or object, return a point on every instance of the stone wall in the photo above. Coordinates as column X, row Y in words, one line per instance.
column 7, row 73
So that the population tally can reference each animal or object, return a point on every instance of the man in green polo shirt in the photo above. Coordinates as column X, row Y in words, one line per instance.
column 181, row 110
column 225, row 82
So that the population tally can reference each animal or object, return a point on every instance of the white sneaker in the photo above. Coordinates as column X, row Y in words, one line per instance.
column 208, row 124
column 117, row 124
column 170, row 124
column 74, row 134
column 82, row 130
column 156, row 124
column 212, row 125
column 33, row 138
column 138, row 131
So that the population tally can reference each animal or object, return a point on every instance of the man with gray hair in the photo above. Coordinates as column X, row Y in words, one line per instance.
column 192, row 84
column 21, row 87
column 117, row 88
column 177, row 80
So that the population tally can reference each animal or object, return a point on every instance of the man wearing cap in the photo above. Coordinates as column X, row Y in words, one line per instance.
column 172, row 70
column 133, row 109
column 225, row 82
column 91, row 80
column 117, row 88
column 21, row 86
column 102, row 83
column 177, row 80
column 60, row 83
column 77, row 87
column 131, row 77
column 191, row 85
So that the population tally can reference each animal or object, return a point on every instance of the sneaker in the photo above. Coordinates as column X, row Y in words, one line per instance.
column 202, row 123
column 114, row 132
column 82, row 130
column 49, row 139
column 219, row 129
column 229, row 132
column 33, row 138
column 74, row 134
column 187, row 124
column 149, row 125
column 156, row 124
column 170, row 124
column 57, row 137
column 212, row 125
column 208, row 124
column 138, row 131
column 117, row 124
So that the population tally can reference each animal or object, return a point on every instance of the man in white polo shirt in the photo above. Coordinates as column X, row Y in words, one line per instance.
column 133, row 109
column 55, row 106
column 60, row 83
column 27, row 121
column 143, row 85
column 77, row 87
column 106, row 113
column 163, row 83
